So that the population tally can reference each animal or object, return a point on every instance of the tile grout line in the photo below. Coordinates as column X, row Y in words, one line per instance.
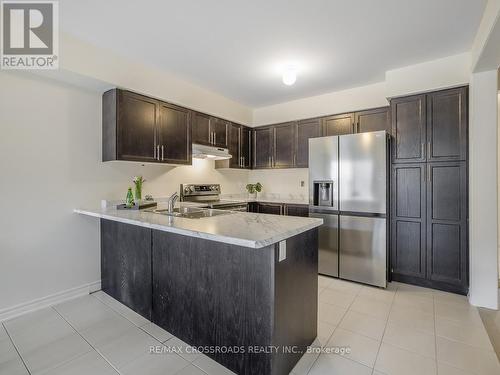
column 385, row 328
column 118, row 312
column 92, row 346
column 338, row 326
column 435, row 332
column 15, row 348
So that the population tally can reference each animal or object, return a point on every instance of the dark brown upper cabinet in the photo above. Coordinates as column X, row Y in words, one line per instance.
column 245, row 147
column 306, row 129
column 174, row 134
column 201, row 129
column 338, row 124
column 234, row 145
column 262, row 146
column 447, row 125
column 219, row 130
column 373, row 120
column 211, row 131
column 284, row 145
column 239, row 148
column 430, row 127
column 135, row 130
column 409, row 129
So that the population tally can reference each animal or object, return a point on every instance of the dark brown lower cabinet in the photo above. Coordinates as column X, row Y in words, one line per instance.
column 296, row 210
column 408, row 221
column 447, row 255
column 271, row 208
column 429, row 245
column 126, row 265
column 219, row 296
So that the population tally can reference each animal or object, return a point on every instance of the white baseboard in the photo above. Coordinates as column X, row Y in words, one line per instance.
column 53, row 299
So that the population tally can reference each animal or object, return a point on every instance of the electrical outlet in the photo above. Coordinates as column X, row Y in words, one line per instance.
column 282, row 251
column 301, row 183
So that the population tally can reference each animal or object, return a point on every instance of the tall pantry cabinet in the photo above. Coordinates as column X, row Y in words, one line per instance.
column 429, row 196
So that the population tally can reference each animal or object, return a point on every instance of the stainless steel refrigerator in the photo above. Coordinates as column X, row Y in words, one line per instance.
column 348, row 190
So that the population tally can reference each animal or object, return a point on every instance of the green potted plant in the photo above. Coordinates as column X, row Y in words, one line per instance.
column 253, row 189
column 138, row 181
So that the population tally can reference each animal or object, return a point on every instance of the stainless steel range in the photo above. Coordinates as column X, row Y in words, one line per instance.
column 209, row 196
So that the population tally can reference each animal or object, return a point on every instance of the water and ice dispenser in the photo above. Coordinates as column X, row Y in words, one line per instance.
column 323, row 193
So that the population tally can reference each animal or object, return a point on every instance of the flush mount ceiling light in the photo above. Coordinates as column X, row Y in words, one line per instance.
column 289, row 75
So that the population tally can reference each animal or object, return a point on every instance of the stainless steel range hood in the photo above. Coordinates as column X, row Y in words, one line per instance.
column 210, row 152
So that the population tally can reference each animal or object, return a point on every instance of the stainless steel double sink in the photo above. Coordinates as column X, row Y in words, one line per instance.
column 190, row 212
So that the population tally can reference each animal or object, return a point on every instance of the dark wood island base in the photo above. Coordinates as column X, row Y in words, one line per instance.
column 246, row 309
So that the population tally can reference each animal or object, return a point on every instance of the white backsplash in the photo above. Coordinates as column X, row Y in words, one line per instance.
column 282, row 184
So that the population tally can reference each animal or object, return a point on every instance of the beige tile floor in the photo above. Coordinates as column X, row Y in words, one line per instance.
column 402, row 330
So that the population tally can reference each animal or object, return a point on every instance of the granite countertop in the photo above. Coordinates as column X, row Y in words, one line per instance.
column 238, row 228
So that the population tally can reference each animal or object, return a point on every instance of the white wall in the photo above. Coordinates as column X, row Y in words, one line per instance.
column 85, row 60
column 431, row 75
column 483, row 171
column 485, row 51
column 358, row 98
column 50, row 152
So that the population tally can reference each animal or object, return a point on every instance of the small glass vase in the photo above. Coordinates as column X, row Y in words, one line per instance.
column 129, row 200
column 138, row 192
column 252, row 195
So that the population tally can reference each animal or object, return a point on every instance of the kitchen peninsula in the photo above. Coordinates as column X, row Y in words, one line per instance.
column 242, row 284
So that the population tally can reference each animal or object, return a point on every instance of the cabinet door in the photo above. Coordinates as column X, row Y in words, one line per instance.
column 174, row 134
column 408, row 129
column 447, row 255
column 408, row 254
column 284, row 145
column 306, row 129
column 271, row 208
column 137, row 119
column 338, row 124
column 234, row 146
column 245, row 144
column 126, row 265
column 373, row 120
column 253, row 207
column 447, row 125
column 297, row 210
column 219, row 129
column 262, row 147
column 201, row 128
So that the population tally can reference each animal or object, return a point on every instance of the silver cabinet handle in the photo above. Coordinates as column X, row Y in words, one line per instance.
column 154, row 152
column 270, row 162
column 162, row 152
column 158, row 152
column 423, row 150
column 428, row 149
column 215, row 137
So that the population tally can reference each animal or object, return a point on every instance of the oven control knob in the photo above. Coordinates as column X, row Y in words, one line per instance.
column 213, row 187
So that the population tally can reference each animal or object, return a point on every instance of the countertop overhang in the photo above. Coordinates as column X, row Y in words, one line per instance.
column 245, row 229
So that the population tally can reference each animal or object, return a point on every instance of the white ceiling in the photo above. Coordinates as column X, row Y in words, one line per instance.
column 235, row 47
